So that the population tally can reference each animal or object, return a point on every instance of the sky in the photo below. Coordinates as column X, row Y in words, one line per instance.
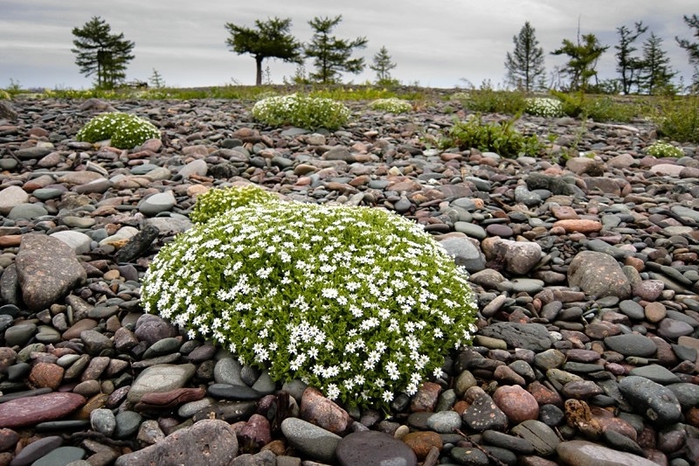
column 447, row 43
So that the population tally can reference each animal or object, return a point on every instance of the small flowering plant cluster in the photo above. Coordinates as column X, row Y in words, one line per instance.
column 392, row 105
column 544, row 107
column 664, row 149
column 356, row 301
column 302, row 111
column 125, row 130
column 216, row 201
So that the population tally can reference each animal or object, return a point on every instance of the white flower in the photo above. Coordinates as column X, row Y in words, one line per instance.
column 387, row 396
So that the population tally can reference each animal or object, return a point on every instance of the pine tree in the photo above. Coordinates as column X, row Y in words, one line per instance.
column 383, row 66
column 102, row 53
column 332, row 55
column 525, row 66
column 656, row 73
column 692, row 48
column 271, row 39
column 628, row 66
column 582, row 60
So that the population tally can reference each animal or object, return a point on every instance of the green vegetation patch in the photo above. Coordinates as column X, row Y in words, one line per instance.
column 544, row 107
column 664, row 149
column 358, row 302
column 392, row 105
column 125, row 130
column 501, row 138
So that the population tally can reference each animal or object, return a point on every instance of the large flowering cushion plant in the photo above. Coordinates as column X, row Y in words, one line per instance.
column 359, row 302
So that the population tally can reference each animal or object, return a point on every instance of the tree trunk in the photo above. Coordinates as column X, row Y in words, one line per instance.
column 258, row 64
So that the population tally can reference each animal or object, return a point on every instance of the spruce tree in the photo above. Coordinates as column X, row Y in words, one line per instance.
column 627, row 65
column 332, row 55
column 525, row 65
column 656, row 73
column 582, row 60
column 270, row 39
column 383, row 66
column 692, row 48
column 102, row 53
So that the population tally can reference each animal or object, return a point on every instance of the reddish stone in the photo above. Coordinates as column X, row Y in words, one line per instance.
column 8, row 356
column 254, row 434
column 544, row 395
column 46, row 374
column 426, row 397
column 692, row 417
column 517, row 403
column 321, row 411
column 8, row 439
column 579, row 225
column 170, row 399
column 33, row 410
column 422, row 442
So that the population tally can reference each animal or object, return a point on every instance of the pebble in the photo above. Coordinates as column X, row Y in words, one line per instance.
column 586, row 286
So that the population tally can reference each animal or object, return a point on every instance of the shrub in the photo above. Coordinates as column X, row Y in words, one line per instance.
column 356, row 301
column 544, row 107
column 678, row 119
column 392, row 105
column 501, row 138
column 216, row 201
column 664, row 149
column 125, row 130
column 302, row 111
column 487, row 100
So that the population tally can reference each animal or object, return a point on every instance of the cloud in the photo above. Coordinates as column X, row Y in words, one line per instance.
column 435, row 44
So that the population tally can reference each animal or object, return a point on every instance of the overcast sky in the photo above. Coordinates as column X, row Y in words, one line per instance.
column 437, row 44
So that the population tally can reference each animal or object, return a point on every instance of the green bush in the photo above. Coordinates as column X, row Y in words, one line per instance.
column 544, row 107
column 392, row 105
column 487, row 100
column 678, row 119
column 125, row 130
column 501, row 138
column 216, row 201
column 664, row 149
column 356, row 301
column 302, row 111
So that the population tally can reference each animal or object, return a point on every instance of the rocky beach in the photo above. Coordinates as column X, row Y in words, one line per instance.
column 585, row 270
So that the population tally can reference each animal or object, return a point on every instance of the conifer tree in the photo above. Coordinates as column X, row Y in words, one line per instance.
column 101, row 53
column 656, row 72
column 628, row 66
column 582, row 60
column 382, row 66
column 692, row 48
column 525, row 65
column 332, row 55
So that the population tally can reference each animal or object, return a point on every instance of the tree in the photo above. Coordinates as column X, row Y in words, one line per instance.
column 332, row 55
column 628, row 66
column 383, row 66
column 656, row 73
column 692, row 48
column 157, row 80
column 525, row 66
column 582, row 60
column 271, row 39
column 101, row 53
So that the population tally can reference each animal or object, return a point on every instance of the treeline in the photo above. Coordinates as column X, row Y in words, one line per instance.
column 105, row 55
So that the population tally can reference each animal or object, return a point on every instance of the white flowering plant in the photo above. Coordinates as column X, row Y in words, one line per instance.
column 356, row 301
column 664, row 149
column 392, row 105
column 125, row 130
column 302, row 111
column 544, row 107
column 216, row 201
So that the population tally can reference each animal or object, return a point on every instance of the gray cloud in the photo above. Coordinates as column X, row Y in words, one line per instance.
column 435, row 44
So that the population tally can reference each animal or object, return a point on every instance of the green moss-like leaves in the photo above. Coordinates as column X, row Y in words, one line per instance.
column 217, row 201
column 125, row 130
column 358, row 302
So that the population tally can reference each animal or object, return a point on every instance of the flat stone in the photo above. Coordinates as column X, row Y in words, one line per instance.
column 598, row 274
column 60, row 456
column 32, row 410
column 534, row 337
column 233, row 392
column 160, row 378
column 656, row 402
column 314, row 441
column 631, row 345
column 371, row 447
column 584, row 453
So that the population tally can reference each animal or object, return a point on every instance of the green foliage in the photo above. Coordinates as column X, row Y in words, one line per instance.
column 125, row 130
column 628, row 66
column 156, row 80
column 525, row 65
column 501, row 138
column 216, row 201
column 358, row 302
column 656, row 72
column 582, row 60
column 544, row 107
column 102, row 53
column 392, row 105
column 4, row 95
column 664, row 149
column 270, row 39
column 13, row 89
column 488, row 100
column 354, row 93
column 382, row 66
column 302, row 111
column 332, row 55
column 678, row 119
column 599, row 109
